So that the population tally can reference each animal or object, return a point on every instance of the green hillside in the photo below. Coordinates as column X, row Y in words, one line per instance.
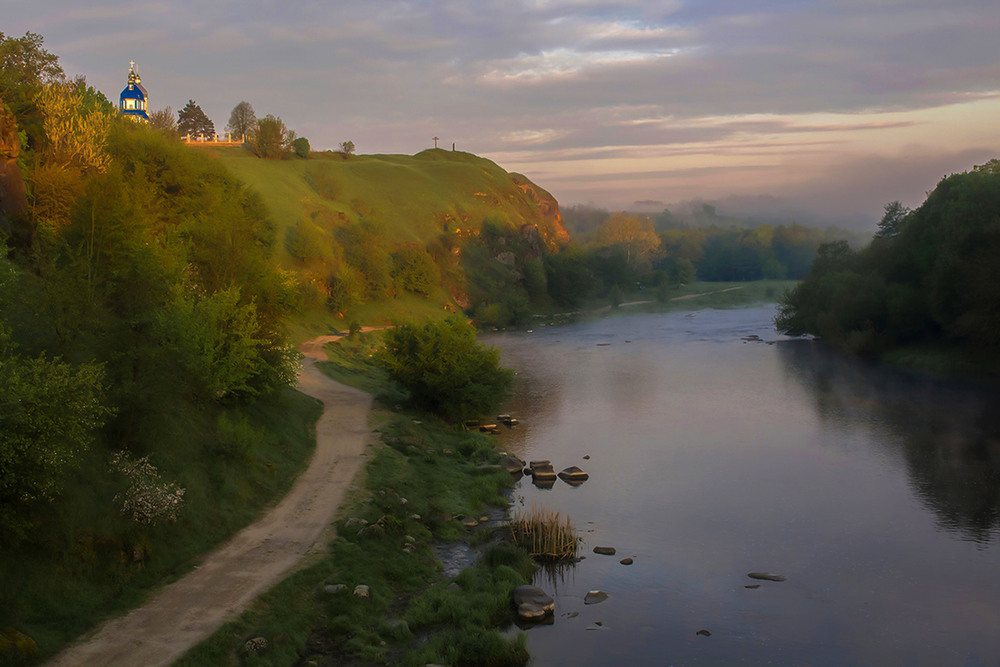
column 416, row 197
column 368, row 236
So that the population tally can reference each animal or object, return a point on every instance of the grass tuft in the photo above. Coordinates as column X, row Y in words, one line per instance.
column 544, row 536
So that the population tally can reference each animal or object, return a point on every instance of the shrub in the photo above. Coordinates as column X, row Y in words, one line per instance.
column 445, row 369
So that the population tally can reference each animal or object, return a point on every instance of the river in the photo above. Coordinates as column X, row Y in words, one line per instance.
column 711, row 455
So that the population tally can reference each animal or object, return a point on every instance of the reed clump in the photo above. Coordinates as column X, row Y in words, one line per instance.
column 544, row 535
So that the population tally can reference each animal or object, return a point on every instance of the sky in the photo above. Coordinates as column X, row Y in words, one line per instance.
column 819, row 111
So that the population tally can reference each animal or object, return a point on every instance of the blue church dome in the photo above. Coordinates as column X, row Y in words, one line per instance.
column 134, row 101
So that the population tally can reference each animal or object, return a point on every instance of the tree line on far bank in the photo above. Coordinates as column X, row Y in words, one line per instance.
column 929, row 277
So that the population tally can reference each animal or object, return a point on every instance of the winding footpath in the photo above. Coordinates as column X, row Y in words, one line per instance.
column 178, row 616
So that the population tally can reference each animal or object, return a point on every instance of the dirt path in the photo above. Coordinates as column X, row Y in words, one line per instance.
column 183, row 613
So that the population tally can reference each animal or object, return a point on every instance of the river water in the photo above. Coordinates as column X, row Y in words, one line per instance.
column 876, row 495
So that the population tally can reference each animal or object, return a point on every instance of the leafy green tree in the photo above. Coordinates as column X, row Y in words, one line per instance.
column 936, row 281
column 242, row 120
column 191, row 120
column 346, row 148
column 366, row 248
column 635, row 236
column 49, row 411
column 214, row 338
column 24, row 68
column 269, row 138
column 300, row 146
column 892, row 220
column 445, row 369
column 414, row 270
column 76, row 125
column 568, row 277
column 347, row 290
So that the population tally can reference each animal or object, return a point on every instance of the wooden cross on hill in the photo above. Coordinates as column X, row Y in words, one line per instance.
column 436, row 142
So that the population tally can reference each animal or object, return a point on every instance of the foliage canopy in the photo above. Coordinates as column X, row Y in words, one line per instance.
column 445, row 369
column 191, row 120
column 929, row 275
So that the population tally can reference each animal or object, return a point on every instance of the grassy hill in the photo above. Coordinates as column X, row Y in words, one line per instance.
column 346, row 225
column 415, row 197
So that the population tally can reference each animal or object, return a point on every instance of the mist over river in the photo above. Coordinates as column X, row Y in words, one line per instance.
column 876, row 494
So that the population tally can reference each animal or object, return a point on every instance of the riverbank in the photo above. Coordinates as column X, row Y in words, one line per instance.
column 691, row 296
column 379, row 592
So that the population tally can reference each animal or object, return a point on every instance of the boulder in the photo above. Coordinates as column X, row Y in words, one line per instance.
column 532, row 603
column 530, row 611
column 605, row 551
column 542, row 471
column 594, row 597
column 573, row 475
column 511, row 464
column 362, row 592
column 766, row 576
column 626, row 561
column 334, row 589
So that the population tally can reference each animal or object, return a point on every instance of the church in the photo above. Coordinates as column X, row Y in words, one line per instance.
column 134, row 101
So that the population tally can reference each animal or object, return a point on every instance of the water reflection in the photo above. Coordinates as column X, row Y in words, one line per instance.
column 875, row 494
column 945, row 432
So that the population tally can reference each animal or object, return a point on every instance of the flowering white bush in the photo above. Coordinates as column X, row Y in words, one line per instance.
column 148, row 500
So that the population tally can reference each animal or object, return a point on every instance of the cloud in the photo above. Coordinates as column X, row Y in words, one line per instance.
column 563, row 63
column 533, row 136
column 596, row 99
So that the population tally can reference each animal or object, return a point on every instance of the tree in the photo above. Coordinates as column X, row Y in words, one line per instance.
column 163, row 120
column 48, row 413
column 242, row 120
column 414, row 270
column 76, row 125
column 300, row 146
column 24, row 68
column 445, row 369
column 635, row 236
column 892, row 220
column 215, row 340
column 270, row 137
column 346, row 148
column 191, row 120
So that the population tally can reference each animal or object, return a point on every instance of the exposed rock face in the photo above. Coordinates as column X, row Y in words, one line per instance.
column 554, row 234
column 533, row 603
